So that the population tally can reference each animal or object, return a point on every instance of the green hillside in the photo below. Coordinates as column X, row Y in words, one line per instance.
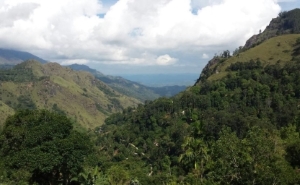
column 239, row 124
column 275, row 50
column 80, row 95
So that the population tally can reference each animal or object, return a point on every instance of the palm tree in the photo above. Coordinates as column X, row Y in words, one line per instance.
column 195, row 154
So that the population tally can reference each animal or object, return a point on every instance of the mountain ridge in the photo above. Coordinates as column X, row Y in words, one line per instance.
column 131, row 88
column 50, row 86
column 13, row 57
column 285, row 23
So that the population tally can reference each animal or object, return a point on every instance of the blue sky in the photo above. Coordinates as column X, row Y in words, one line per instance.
column 134, row 36
column 289, row 5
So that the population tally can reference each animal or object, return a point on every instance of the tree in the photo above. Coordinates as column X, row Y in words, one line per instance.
column 226, row 54
column 195, row 152
column 117, row 175
column 43, row 144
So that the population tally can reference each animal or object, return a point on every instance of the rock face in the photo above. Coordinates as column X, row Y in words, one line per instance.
column 285, row 23
column 207, row 70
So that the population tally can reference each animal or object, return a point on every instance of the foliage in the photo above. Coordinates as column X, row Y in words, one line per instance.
column 42, row 146
column 229, row 131
column 290, row 20
column 31, row 85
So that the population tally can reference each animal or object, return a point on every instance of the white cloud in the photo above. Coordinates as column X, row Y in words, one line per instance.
column 132, row 31
column 165, row 60
column 205, row 56
column 286, row 1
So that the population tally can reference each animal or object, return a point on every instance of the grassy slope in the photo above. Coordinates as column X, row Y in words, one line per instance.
column 277, row 49
column 79, row 94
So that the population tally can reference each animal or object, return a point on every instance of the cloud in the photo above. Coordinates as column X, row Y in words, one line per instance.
column 134, row 32
column 165, row 60
column 205, row 56
column 286, row 1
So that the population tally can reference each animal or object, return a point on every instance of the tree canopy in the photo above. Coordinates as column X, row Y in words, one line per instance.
column 39, row 146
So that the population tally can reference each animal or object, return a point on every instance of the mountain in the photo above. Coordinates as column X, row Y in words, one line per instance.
column 276, row 50
column 161, row 80
column 13, row 57
column 168, row 91
column 131, row 88
column 81, row 96
column 81, row 67
column 239, row 123
column 285, row 23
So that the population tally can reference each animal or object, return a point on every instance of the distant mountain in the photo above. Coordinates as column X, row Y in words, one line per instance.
column 131, row 88
column 160, row 80
column 168, row 91
column 80, row 95
column 81, row 67
column 13, row 57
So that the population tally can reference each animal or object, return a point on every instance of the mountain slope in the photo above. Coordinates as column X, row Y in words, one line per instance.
column 278, row 49
column 13, row 57
column 78, row 94
column 120, row 84
column 239, row 128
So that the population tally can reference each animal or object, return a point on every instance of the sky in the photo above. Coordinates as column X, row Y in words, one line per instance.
column 134, row 36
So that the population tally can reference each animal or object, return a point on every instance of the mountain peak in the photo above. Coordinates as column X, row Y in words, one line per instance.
column 285, row 23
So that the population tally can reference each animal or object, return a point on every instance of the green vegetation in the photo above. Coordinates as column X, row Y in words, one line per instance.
column 31, row 85
column 40, row 147
column 290, row 21
column 241, row 129
column 267, row 53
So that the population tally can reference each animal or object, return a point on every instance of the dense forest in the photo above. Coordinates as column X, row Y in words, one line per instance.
column 243, row 128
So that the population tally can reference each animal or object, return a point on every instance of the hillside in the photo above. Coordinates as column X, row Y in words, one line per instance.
column 239, row 124
column 280, row 49
column 13, row 57
column 80, row 95
column 130, row 88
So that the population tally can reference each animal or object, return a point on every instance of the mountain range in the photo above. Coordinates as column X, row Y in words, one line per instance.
column 50, row 86
column 13, row 57
column 84, row 94
column 131, row 88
